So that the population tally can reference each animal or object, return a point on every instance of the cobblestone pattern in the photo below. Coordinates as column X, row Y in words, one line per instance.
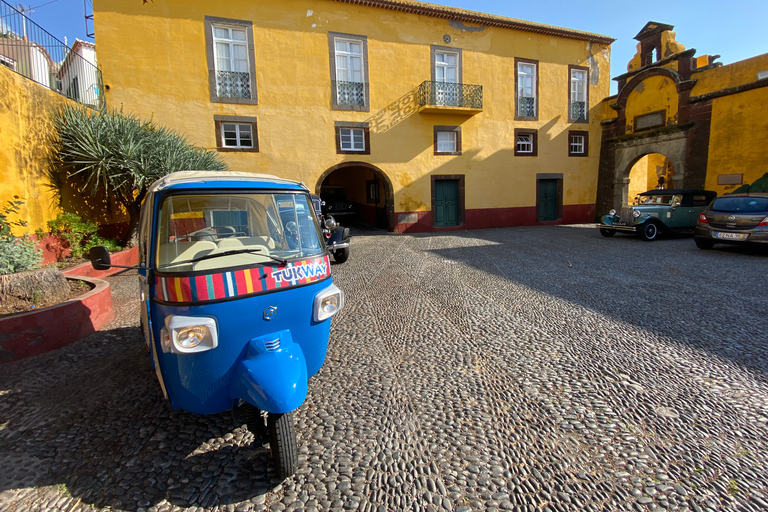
column 516, row 369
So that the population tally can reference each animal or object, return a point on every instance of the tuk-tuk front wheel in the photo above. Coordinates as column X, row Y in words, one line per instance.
column 282, row 443
column 255, row 423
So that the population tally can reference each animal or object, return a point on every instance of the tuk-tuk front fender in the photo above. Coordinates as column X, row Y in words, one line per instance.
column 273, row 374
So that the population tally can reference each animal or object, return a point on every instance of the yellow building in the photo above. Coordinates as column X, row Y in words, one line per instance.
column 425, row 117
column 681, row 121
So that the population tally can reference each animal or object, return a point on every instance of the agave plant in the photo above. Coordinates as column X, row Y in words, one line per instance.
column 116, row 155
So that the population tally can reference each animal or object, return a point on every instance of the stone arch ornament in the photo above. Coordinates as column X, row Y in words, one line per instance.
column 389, row 191
column 684, row 140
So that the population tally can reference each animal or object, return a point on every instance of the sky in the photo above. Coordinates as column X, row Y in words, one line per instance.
column 735, row 30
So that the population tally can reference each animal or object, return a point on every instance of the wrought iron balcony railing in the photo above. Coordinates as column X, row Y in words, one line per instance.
column 447, row 94
column 579, row 110
column 233, row 84
column 526, row 107
column 350, row 93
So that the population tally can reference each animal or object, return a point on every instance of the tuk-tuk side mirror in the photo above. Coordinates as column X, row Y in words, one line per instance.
column 100, row 258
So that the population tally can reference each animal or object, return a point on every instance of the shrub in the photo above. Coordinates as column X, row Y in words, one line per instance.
column 10, row 207
column 18, row 255
column 80, row 235
column 97, row 240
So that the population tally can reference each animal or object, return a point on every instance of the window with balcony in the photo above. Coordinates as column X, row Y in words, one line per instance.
column 526, row 143
column 527, row 85
column 352, row 138
column 236, row 134
column 447, row 82
column 349, row 71
column 577, row 110
column 231, row 60
column 447, row 140
column 578, row 143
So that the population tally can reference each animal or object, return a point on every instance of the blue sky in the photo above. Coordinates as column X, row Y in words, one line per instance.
column 734, row 30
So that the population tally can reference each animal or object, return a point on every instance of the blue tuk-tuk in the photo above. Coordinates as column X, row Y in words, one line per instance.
column 237, row 297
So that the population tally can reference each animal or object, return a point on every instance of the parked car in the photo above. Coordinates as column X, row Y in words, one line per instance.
column 336, row 236
column 657, row 212
column 733, row 219
column 336, row 202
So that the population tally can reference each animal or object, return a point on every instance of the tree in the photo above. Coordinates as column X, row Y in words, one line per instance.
column 119, row 156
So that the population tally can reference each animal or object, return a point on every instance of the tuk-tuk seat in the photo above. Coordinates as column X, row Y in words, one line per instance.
column 233, row 260
column 230, row 243
column 257, row 240
column 174, row 253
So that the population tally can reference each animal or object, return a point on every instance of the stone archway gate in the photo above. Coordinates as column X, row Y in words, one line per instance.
column 683, row 138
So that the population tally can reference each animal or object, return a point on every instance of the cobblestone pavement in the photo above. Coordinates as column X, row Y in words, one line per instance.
column 541, row 368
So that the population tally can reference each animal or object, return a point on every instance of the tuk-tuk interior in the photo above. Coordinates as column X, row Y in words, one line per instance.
column 199, row 232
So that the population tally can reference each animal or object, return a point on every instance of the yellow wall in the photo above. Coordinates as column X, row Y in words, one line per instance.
column 163, row 73
column 25, row 129
column 739, row 122
column 737, row 141
column 652, row 94
column 645, row 174
column 724, row 77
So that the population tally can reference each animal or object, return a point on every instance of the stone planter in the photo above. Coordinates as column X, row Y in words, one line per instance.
column 36, row 332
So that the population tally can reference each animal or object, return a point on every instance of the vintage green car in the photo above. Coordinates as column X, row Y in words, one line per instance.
column 657, row 212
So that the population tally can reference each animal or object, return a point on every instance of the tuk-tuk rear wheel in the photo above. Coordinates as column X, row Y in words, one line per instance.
column 282, row 443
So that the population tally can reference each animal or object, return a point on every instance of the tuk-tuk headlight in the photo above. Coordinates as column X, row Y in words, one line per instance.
column 190, row 337
column 328, row 302
column 189, row 334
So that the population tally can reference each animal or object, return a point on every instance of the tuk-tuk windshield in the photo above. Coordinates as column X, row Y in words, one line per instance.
column 225, row 230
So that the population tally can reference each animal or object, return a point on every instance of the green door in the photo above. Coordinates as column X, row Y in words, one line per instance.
column 446, row 203
column 547, row 200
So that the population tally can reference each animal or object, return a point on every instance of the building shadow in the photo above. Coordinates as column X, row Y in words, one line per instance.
column 94, row 421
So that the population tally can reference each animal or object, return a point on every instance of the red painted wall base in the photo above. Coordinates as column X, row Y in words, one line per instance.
column 497, row 218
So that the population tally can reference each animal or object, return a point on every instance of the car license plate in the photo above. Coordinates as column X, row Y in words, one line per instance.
column 731, row 236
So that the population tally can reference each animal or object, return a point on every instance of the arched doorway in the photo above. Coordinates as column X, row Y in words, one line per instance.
column 366, row 187
column 652, row 171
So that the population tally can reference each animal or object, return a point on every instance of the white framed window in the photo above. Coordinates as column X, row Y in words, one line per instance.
column 446, row 142
column 526, row 89
column 525, row 143
column 236, row 135
column 578, row 99
column 231, row 61
column 349, row 60
column 446, row 67
column 447, row 88
column 8, row 62
column 577, row 144
column 352, row 139
column 349, row 63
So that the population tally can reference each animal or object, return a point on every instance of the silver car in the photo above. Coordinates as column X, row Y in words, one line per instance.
column 733, row 219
